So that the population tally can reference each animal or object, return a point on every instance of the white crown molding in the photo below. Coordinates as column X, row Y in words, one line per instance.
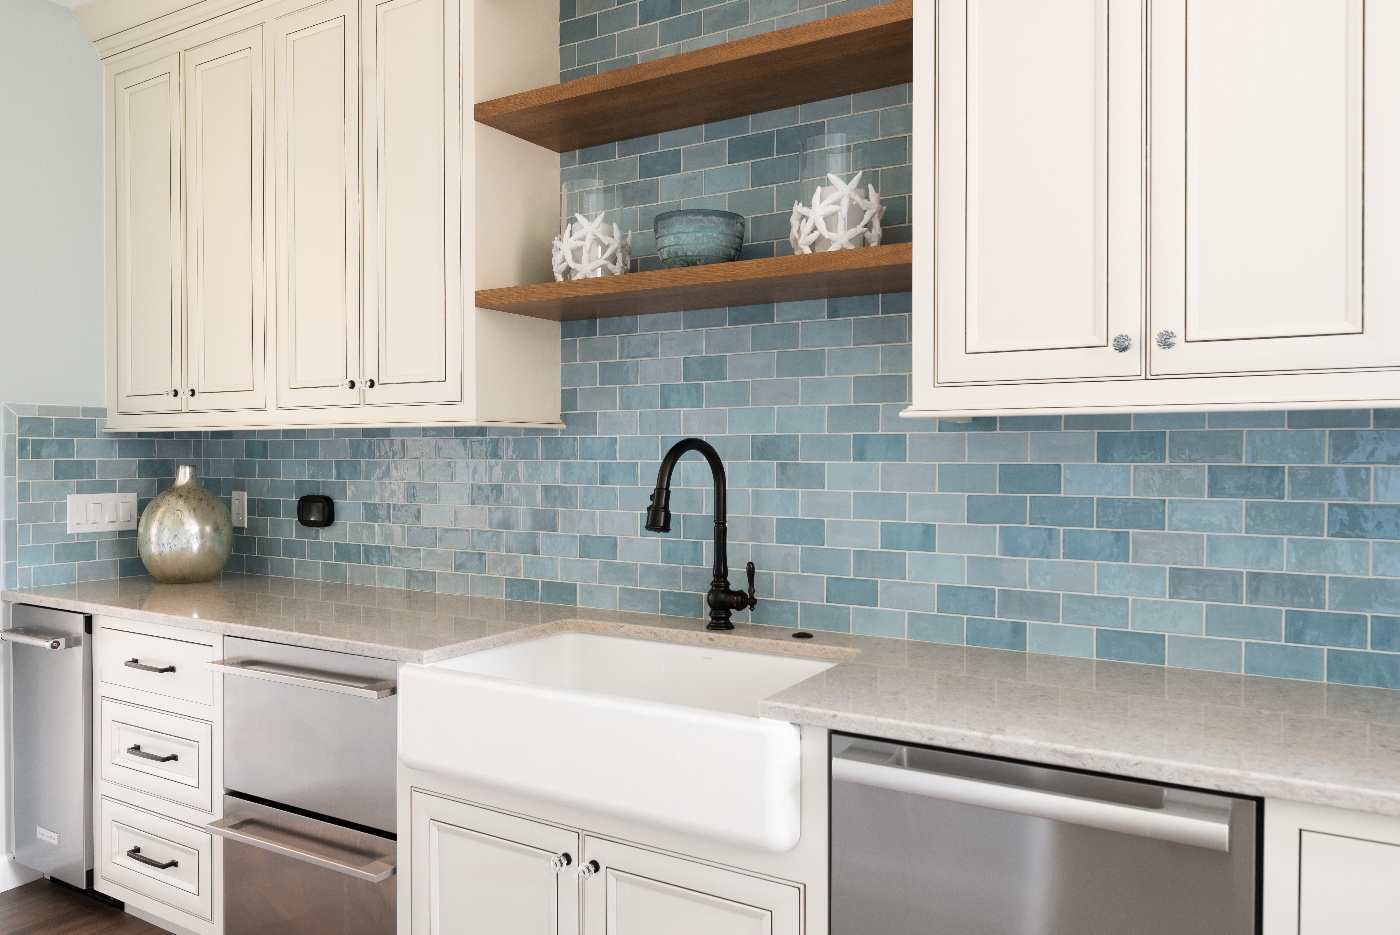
column 117, row 26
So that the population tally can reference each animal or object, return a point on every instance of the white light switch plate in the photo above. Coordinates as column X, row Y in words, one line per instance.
column 239, row 499
column 101, row 512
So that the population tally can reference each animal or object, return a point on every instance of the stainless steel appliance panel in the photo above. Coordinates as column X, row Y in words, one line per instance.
column 311, row 729
column 288, row 873
column 928, row 842
column 51, row 741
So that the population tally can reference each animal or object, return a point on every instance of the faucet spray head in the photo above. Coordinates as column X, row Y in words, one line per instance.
column 659, row 513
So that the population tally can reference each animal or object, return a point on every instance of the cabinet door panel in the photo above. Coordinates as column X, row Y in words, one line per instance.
column 316, row 138
column 146, row 253
column 1347, row 885
column 413, row 292
column 224, row 84
column 1281, row 114
column 1038, row 161
column 480, row 872
column 641, row 892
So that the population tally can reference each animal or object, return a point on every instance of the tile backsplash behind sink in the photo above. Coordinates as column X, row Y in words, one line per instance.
column 1260, row 542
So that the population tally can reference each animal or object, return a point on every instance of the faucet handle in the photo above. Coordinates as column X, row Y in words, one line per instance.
column 752, row 601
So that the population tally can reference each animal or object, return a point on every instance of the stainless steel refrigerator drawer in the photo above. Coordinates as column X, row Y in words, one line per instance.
column 311, row 729
column 164, row 755
column 158, row 857
column 290, row 873
column 154, row 664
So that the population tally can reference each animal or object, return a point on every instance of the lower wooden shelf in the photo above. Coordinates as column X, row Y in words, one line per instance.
column 887, row 268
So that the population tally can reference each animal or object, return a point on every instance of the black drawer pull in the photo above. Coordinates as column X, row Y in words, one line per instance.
column 136, row 855
column 136, row 664
column 135, row 750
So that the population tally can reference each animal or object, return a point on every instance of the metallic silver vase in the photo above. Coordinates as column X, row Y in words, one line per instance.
column 186, row 533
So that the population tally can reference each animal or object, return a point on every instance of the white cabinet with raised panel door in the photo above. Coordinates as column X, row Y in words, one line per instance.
column 1179, row 205
column 636, row 891
column 294, row 217
column 316, row 165
column 476, row 869
column 1329, row 871
column 479, row 870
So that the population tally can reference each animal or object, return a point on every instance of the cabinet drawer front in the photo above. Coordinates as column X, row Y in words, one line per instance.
column 161, row 754
column 157, row 857
column 157, row 665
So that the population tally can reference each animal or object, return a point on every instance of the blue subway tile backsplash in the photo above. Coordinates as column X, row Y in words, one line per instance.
column 1221, row 541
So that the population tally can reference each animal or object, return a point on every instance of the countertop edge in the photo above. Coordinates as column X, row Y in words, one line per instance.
column 1092, row 759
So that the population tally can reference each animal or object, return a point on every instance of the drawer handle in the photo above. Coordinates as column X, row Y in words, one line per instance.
column 135, row 750
column 240, row 829
column 136, row 664
column 136, row 855
column 255, row 669
column 29, row 637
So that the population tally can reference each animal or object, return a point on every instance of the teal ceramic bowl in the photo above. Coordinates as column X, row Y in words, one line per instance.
column 697, row 236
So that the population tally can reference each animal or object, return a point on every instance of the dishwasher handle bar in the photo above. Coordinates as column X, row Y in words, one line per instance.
column 29, row 637
column 1177, row 822
column 237, row 829
column 253, row 669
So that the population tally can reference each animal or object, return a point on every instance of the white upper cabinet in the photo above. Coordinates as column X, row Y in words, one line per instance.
column 1284, row 115
column 1038, row 165
column 226, row 292
column 143, row 258
column 292, row 217
column 1220, row 210
column 413, row 219
column 316, row 158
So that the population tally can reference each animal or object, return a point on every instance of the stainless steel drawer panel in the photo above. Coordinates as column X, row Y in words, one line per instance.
column 290, row 873
column 158, row 857
column 319, row 750
column 162, row 754
column 172, row 668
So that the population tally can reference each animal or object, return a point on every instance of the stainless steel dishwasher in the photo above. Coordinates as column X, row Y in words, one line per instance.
column 50, row 687
column 930, row 842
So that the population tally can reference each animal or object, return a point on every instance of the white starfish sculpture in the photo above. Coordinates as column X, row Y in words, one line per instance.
column 840, row 217
column 589, row 248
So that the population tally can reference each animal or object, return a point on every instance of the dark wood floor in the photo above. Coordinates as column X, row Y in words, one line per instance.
column 44, row 908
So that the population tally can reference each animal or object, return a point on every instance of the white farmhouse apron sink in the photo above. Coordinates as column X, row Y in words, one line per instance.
column 665, row 733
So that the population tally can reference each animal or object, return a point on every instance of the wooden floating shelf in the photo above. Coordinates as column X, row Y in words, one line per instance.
column 860, row 51
column 867, row 271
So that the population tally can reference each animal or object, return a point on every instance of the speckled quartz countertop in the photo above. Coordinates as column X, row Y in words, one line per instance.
column 1308, row 742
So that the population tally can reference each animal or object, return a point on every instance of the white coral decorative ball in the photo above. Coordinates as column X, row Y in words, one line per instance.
column 841, row 217
column 590, row 248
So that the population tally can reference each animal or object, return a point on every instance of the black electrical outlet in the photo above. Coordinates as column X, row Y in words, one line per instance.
column 315, row 510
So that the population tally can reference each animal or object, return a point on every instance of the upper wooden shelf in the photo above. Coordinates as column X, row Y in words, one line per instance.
column 866, row 271
column 847, row 54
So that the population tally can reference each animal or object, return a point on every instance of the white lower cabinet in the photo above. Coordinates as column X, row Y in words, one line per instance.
column 158, row 772
column 636, row 891
column 1328, row 871
column 476, row 869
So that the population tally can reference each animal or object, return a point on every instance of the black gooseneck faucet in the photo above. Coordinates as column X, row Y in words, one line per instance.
column 722, row 600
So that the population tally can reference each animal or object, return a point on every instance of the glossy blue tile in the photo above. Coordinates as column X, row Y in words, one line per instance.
column 1210, row 447
column 954, row 599
column 1364, row 595
column 1127, row 646
column 996, row 634
column 1028, row 478
column 1131, row 513
column 1318, row 628
column 1284, row 661
column 1247, row 482
column 1030, row 541
column 1245, row 623
column 1329, row 483
column 909, row 537
column 1094, row 610
column 1367, row 447
column 1201, row 584
column 1380, row 670
column 1363, row 520
column 1132, row 447
column 1097, row 545
column 1211, row 655
column 1279, row 518
column 1285, row 590
column 1061, row 511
